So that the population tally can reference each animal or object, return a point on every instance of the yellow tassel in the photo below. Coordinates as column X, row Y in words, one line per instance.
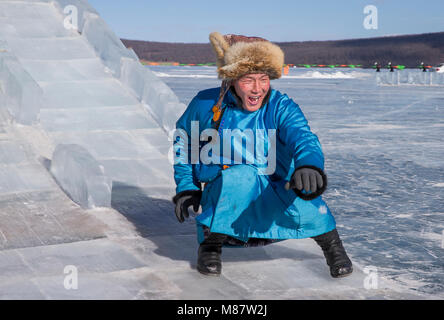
column 216, row 113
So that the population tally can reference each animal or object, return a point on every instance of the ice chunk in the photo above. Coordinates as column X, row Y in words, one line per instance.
column 81, row 176
column 160, row 101
column 21, row 94
column 162, row 104
column 134, row 75
column 105, row 43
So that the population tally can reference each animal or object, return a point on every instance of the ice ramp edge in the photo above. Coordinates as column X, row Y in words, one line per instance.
column 91, row 183
column 80, row 176
column 22, row 96
column 155, row 96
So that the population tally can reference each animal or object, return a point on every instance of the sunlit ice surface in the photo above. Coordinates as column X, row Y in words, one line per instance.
column 384, row 157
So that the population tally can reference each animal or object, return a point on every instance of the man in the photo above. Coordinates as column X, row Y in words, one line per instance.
column 260, row 197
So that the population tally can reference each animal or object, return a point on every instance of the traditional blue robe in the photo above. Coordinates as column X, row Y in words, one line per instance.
column 248, row 199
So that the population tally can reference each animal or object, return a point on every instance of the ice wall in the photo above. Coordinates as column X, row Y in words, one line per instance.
column 157, row 97
column 24, row 21
column 65, row 71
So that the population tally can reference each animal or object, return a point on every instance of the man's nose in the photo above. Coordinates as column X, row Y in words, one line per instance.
column 256, row 86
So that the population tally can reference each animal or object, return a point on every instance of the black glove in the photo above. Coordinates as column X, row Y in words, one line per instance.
column 185, row 199
column 310, row 179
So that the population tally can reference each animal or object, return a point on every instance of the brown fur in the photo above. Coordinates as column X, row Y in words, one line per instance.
column 246, row 55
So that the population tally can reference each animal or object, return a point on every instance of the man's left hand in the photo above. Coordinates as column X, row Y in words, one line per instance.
column 305, row 178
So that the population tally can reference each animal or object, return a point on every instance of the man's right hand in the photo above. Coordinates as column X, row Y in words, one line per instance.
column 183, row 200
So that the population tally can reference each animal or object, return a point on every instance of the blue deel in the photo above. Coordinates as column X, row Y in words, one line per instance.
column 248, row 199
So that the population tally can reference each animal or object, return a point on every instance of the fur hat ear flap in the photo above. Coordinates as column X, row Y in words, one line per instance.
column 220, row 45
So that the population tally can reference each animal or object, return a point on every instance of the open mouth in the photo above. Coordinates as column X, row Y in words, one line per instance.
column 254, row 100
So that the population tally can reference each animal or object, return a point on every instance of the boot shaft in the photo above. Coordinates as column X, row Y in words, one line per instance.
column 328, row 239
column 332, row 248
column 214, row 239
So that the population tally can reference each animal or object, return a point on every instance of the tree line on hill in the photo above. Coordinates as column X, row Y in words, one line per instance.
column 408, row 50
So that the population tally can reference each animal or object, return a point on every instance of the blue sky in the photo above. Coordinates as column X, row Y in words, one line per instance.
column 276, row 20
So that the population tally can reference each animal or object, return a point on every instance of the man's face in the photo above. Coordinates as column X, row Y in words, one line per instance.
column 252, row 89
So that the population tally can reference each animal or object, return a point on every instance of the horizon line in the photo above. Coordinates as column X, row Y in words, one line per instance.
column 349, row 39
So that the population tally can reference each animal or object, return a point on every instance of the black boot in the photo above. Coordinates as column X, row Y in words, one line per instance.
column 337, row 259
column 208, row 261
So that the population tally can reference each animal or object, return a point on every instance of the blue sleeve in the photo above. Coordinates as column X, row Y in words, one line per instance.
column 183, row 168
column 294, row 132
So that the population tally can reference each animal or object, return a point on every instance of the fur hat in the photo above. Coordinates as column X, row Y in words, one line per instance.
column 239, row 55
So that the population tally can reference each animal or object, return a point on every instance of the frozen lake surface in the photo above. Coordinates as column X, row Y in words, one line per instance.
column 384, row 156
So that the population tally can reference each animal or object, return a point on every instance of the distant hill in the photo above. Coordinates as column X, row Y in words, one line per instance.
column 408, row 50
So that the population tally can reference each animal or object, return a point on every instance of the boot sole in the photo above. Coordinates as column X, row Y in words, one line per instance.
column 342, row 275
column 206, row 273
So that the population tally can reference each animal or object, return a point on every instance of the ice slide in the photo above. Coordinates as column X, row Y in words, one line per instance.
column 85, row 180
